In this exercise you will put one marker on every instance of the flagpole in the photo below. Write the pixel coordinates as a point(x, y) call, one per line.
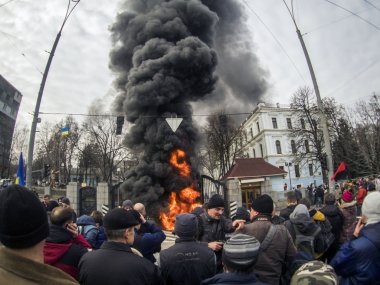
point(39, 97)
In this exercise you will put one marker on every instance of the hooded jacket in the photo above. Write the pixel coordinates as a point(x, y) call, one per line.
point(233, 278)
point(88, 229)
point(358, 260)
point(63, 251)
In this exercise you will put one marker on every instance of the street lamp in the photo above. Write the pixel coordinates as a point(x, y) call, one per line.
point(40, 93)
point(288, 164)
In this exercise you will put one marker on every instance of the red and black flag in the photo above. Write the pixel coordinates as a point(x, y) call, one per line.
point(340, 173)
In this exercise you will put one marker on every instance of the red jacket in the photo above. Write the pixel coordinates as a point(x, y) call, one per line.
point(63, 251)
point(361, 195)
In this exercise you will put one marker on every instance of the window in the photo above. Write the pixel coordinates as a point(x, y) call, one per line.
point(251, 134)
point(278, 147)
point(307, 149)
point(274, 123)
point(289, 123)
point(293, 145)
point(303, 124)
point(261, 150)
point(254, 153)
point(258, 127)
point(297, 170)
point(245, 136)
point(311, 172)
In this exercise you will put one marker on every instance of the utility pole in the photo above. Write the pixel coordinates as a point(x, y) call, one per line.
point(325, 129)
point(40, 93)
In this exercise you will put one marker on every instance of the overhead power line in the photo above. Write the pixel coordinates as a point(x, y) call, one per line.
point(355, 14)
point(2, 5)
point(372, 5)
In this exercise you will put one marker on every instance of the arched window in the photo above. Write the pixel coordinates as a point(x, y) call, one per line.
point(293, 145)
point(307, 149)
point(278, 147)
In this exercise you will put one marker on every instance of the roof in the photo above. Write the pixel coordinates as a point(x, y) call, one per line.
point(252, 167)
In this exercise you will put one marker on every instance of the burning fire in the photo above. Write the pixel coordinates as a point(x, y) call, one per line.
point(185, 202)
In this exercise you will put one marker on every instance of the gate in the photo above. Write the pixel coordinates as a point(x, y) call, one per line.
point(87, 200)
point(209, 187)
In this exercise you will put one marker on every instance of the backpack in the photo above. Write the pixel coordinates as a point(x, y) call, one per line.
point(326, 238)
point(305, 243)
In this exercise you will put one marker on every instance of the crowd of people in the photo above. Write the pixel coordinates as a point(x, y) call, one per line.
point(46, 243)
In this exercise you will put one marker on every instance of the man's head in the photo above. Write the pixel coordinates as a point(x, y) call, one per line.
point(127, 204)
point(240, 253)
point(61, 216)
point(371, 208)
point(65, 202)
point(186, 226)
point(119, 225)
point(98, 217)
point(215, 206)
point(262, 205)
point(291, 197)
point(315, 272)
point(306, 202)
point(23, 219)
point(329, 199)
point(371, 187)
point(139, 207)
point(46, 198)
point(300, 210)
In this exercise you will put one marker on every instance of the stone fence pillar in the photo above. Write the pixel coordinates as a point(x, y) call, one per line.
point(101, 195)
point(72, 192)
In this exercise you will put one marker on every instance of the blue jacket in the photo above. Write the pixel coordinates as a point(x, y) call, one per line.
point(88, 229)
point(358, 261)
point(232, 278)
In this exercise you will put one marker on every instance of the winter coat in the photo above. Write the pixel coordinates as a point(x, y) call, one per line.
point(18, 270)
point(115, 263)
point(233, 278)
point(361, 195)
point(149, 242)
point(187, 262)
point(215, 230)
point(279, 254)
point(358, 260)
point(100, 238)
point(336, 218)
point(285, 213)
point(349, 212)
point(88, 229)
point(63, 251)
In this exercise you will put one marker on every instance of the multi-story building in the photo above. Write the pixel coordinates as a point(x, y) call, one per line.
point(10, 99)
point(266, 134)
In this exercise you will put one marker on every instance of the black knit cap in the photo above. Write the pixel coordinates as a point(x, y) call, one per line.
point(23, 219)
point(215, 201)
point(186, 225)
point(240, 252)
point(263, 204)
point(118, 219)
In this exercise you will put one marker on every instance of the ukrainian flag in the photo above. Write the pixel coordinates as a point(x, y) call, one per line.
point(64, 131)
point(20, 171)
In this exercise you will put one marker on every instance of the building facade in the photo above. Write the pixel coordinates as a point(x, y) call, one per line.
point(10, 99)
point(267, 134)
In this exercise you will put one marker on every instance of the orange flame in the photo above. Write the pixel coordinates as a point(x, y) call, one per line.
point(185, 202)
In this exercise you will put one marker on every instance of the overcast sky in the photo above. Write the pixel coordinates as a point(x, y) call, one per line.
point(344, 49)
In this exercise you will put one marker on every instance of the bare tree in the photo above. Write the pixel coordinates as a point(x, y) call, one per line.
point(19, 144)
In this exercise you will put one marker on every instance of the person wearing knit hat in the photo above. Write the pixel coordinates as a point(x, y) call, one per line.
point(358, 260)
point(187, 259)
point(127, 204)
point(240, 254)
point(215, 226)
point(350, 211)
point(315, 272)
point(278, 246)
point(23, 230)
point(115, 262)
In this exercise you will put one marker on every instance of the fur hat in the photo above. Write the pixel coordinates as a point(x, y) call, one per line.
point(186, 225)
point(371, 207)
point(216, 201)
point(263, 204)
point(118, 219)
point(240, 252)
point(23, 219)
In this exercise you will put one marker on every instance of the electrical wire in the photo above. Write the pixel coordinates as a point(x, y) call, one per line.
point(2, 5)
point(275, 38)
point(355, 14)
point(372, 5)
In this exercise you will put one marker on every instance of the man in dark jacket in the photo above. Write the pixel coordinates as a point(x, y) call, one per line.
point(239, 257)
point(114, 262)
point(291, 200)
point(358, 260)
point(64, 247)
point(187, 262)
point(280, 251)
point(215, 226)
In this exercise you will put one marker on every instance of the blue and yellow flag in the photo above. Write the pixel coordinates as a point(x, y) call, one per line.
point(64, 131)
point(20, 171)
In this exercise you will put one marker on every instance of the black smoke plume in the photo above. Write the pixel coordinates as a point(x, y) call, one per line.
point(165, 58)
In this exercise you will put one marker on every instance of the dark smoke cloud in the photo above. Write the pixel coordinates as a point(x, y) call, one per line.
point(165, 59)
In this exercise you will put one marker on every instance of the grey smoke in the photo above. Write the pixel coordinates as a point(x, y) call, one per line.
point(165, 59)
